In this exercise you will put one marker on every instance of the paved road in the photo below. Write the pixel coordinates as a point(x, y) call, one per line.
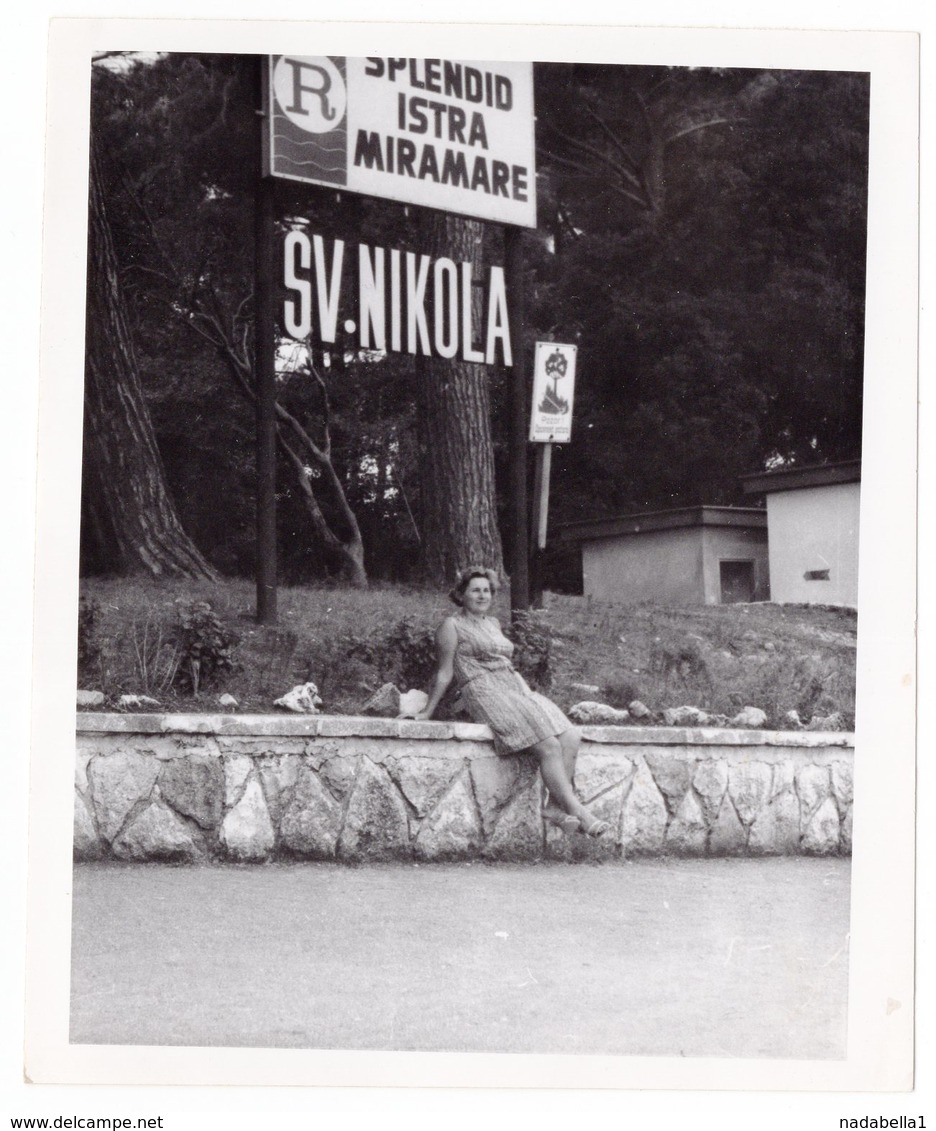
point(660, 958)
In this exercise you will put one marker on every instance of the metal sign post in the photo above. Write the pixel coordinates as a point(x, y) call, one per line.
point(550, 422)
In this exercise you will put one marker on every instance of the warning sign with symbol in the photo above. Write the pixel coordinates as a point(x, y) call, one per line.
point(553, 392)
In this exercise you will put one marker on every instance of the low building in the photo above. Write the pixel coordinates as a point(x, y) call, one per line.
point(812, 521)
point(686, 556)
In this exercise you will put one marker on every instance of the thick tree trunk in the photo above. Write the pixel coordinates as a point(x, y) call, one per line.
point(124, 481)
point(456, 456)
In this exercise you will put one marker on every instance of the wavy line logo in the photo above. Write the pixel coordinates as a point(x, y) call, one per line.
point(310, 102)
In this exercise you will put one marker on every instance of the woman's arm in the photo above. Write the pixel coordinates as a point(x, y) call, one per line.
point(446, 643)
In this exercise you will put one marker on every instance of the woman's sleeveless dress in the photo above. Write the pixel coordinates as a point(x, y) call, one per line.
point(495, 693)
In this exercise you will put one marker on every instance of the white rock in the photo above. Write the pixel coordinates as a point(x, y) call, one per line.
point(591, 689)
point(90, 698)
point(750, 717)
point(303, 699)
point(412, 702)
point(227, 700)
point(793, 721)
point(685, 717)
point(639, 710)
point(126, 702)
point(827, 722)
point(592, 713)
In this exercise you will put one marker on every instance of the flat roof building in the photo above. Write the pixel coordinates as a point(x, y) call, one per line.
point(684, 556)
point(812, 521)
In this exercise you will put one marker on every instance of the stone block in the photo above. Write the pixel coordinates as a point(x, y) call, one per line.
point(518, 833)
point(82, 758)
point(119, 783)
point(644, 817)
point(339, 773)
point(339, 726)
point(710, 781)
point(422, 781)
point(494, 780)
point(376, 825)
point(156, 833)
point(728, 836)
point(822, 831)
point(86, 844)
point(453, 829)
point(776, 829)
point(194, 787)
point(237, 770)
point(783, 779)
point(604, 734)
point(607, 806)
point(419, 728)
point(247, 831)
point(471, 732)
point(598, 771)
point(687, 832)
point(843, 784)
point(813, 787)
point(749, 788)
point(311, 820)
point(845, 839)
point(673, 776)
point(278, 777)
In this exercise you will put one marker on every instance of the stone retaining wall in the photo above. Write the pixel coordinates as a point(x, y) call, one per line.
point(251, 788)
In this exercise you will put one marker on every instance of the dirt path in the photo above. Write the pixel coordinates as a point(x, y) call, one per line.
point(663, 958)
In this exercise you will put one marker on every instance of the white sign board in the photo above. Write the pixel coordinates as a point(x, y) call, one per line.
point(553, 393)
point(441, 133)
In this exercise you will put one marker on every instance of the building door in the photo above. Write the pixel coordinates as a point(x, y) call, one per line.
point(737, 581)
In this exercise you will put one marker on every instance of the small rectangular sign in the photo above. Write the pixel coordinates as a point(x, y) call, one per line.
point(553, 393)
point(441, 133)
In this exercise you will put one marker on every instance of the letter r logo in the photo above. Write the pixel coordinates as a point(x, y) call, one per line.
point(310, 91)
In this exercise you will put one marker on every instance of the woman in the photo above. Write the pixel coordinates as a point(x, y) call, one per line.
point(473, 651)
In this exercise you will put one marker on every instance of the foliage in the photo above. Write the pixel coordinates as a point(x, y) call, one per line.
point(532, 636)
point(404, 655)
point(205, 645)
point(157, 656)
point(702, 239)
point(89, 641)
point(779, 658)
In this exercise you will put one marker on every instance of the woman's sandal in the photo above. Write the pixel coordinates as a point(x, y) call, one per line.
point(567, 822)
point(594, 828)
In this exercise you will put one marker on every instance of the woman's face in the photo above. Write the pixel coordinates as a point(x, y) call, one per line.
point(478, 595)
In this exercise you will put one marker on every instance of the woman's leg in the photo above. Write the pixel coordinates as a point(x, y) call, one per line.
point(570, 740)
point(552, 757)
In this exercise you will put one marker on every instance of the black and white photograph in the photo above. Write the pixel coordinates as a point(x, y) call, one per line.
point(471, 459)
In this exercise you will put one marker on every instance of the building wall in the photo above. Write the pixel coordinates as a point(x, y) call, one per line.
point(731, 543)
point(658, 565)
point(814, 528)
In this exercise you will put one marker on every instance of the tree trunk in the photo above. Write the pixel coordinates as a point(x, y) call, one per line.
point(456, 455)
point(124, 482)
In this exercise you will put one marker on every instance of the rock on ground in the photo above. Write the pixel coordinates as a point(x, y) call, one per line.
point(303, 699)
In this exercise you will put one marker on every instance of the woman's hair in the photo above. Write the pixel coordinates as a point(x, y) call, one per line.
point(466, 576)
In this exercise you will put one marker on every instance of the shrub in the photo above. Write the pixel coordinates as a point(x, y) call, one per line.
point(533, 657)
point(406, 655)
point(205, 645)
point(89, 642)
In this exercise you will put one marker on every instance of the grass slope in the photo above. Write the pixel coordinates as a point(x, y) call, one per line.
point(349, 642)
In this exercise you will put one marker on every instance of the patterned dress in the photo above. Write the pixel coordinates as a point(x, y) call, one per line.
point(495, 693)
